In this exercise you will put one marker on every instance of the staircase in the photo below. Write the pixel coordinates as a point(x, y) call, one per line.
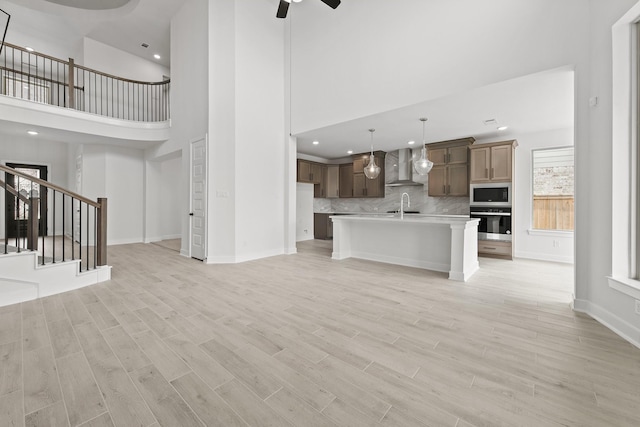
point(71, 255)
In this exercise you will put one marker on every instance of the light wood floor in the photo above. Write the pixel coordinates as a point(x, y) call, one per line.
point(306, 341)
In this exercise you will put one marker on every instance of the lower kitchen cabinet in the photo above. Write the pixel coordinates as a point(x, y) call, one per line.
point(322, 226)
point(495, 249)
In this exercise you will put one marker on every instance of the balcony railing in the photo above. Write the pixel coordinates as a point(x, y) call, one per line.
point(42, 78)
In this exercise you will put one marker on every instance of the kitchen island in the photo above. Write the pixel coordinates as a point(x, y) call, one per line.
point(433, 242)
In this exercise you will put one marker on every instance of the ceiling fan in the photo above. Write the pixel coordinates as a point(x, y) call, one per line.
point(283, 7)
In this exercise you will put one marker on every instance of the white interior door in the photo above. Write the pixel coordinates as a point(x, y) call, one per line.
point(198, 198)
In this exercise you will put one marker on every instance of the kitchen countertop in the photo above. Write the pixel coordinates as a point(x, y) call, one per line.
point(383, 214)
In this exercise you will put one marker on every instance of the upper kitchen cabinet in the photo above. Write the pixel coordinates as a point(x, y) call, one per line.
point(362, 186)
point(313, 173)
point(450, 173)
point(493, 162)
point(346, 180)
point(304, 171)
point(332, 181)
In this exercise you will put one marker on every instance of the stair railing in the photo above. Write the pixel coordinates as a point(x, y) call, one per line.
point(41, 78)
point(58, 224)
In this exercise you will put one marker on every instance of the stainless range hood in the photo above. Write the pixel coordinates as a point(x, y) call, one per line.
point(405, 169)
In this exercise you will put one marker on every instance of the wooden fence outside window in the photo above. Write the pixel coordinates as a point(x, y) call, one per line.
point(553, 213)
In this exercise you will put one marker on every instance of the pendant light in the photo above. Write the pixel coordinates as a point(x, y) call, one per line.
point(423, 165)
point(372, 170)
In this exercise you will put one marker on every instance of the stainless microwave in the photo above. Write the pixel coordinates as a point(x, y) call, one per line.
point(490, 194)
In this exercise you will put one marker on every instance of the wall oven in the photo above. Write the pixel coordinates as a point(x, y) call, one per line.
point(490, 194)
point(495, 223)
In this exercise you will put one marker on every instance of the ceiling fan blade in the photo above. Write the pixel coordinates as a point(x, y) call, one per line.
point(283, 7)
point(331, 3)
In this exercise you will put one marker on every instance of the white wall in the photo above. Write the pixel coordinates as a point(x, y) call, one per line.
point(117, 174)
point(380, 55)
point(38, 30)
point(172, 191)
point(164, 190)
point(410, 51)
point(259, 94)
point(246, 128)
point(304, 212)
point(110, 60)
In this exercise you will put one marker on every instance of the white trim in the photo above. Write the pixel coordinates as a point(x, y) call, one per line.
point(624, 135)
point(540, 256)
point(627, 286)
point(113, 242)
point(236, 259)
point(550, 233)
point(626, 330)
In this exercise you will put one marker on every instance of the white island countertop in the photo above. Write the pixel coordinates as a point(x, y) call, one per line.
point(447, 243)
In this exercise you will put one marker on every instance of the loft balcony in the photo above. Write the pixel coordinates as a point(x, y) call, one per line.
point(40, 90)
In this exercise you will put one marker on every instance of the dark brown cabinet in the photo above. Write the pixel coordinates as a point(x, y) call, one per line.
point(346, 180)
point(322, 226)
point(362, 186)
point(450, 173)
point(492, 162)
point(313, 173)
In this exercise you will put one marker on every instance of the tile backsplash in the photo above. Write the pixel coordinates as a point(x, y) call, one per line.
point(420, 200)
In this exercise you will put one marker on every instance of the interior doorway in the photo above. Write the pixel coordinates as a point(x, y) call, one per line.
point(17, 213)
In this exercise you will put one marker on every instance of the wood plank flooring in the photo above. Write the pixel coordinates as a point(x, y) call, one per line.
point(302, 340)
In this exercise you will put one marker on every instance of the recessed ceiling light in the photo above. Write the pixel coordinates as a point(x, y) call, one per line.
point(350, 152)
point(32, 132)
point(29, 49)
point(155, 55)
point(411, 142)
point(503, 128)
point(490, 122)
point(316, 142)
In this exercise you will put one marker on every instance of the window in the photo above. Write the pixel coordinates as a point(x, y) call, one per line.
point(553, 174)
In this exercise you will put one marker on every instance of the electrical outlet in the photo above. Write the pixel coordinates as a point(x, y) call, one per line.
point(306, 231)
point(556, 243)
point(445, 210)
point(637, 306)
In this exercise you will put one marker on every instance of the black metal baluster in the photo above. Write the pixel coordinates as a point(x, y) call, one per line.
point(17, 213)
point(53, 245)
point(73, 230)
point(88, 235)
point(80, 234)
point(6, 219)
point(64, 235)
point(95, 237)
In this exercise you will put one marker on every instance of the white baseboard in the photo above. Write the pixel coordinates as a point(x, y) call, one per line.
point(244, 257)
point(626, 330)
point(544, 257)
point(113, 242)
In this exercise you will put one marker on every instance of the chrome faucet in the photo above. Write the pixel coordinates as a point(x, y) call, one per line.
point(402, 204)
